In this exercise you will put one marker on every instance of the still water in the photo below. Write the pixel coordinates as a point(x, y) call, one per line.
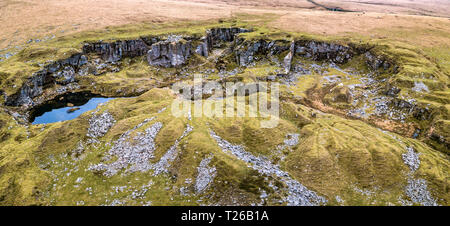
point(63, 114)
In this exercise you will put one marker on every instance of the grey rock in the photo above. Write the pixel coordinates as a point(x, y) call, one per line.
point(99, 124)
point(163, 165)
point(417, 191)
point(215, 36)
point(169, 54)
point(205, 175)
point(411, 159)
point(202, 48)
point(291, 139)
point(324, 51)
point(420, 87)
point(133, 156)
point(115, 51)
point(47, 76)
point(297, 193)
point(288, 58)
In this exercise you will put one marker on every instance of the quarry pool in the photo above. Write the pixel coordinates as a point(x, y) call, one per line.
point(69, 113)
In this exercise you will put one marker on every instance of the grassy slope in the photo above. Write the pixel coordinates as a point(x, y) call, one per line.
point(350, 147)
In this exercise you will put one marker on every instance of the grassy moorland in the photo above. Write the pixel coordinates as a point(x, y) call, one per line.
point(348, 160)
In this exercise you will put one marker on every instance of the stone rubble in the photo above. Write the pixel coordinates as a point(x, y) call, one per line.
point(291, 139)
point(417, 191)
point(298, 195)
point(131, 155)
point(205, 175)
point(99, 125)
point(411, 159)
point(164, 163)
point(420, 87)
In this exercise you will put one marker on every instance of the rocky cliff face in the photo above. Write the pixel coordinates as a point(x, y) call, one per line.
point(172, 52)
point(288, 58)
point(324, 51)
point(112, 52)
point(378, 62)
point(217, 35)
point(311, 49)
point(247, 52)
point(62, 72)
point(175, 51)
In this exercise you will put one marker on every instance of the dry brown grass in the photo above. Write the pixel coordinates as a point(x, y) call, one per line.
point(420, 30)
point(25, 19)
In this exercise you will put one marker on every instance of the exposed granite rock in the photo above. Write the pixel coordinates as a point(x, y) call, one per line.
point(411, 108)
point(416, 189)
point(291, 139)
point(246, 53)
point(420, 87)
point(66, 76)
point(216, 35)
point(336, 53)
point(411, 159)
point(202, 48)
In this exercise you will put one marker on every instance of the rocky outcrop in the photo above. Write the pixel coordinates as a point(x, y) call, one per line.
point(297, 194)
point(324, 51)
point(248, 52)
point(169, 53)
point(245, 54)
point(202, 48)
point(216, 37)
point(288, 58)
point(172, 52)
point(377, 62)
point(115, 51)
point(317, 51)
point(61, 72)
